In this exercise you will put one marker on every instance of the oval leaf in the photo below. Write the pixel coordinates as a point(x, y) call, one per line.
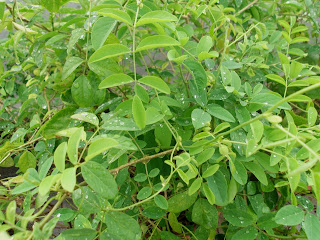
point(156, 42)
point(108, 51)
point(115, 80)
point(156, 83)
point(139, 113)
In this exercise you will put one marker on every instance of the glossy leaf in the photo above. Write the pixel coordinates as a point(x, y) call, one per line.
point(181, 202)
point(161, 202)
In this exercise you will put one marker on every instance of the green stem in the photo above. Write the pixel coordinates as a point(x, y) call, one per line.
point(134, 44)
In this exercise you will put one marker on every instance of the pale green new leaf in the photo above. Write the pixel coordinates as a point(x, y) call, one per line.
point(73, 144)
point(59, 156)
point(68, 179)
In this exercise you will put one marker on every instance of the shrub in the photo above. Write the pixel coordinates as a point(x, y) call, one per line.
point(159, 119)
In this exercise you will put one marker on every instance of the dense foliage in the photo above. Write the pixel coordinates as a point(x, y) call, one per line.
point(159, 119)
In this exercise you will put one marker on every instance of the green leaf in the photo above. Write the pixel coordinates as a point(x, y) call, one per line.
point(258, 171)
point(195, 186)
point(27, 160)
point(138, 111)
point(209, 194)
point(71, 64)
point(68, 179)
point(219, 187)
point(157, 16)
point(161, 202)
point(142, 93)
point(163, 135)
point(276, 78)
point(60, 156)
point(257, 130)
point(120, 124)
point(123, 226)
point(73, 145)
point(87, 117)
point(238, 171)
point(204, 214)
point(204, 45)
point(153, 116)
point(220, 112)
point(78, 234)
point(231, 64)
point(312, 116)
point(58, 122)
point(153, 212)
point(174, 223)
point(237, 217)
point(86, 200)
point(99, 179)
point(295, 69)
point(84, 92)
point(156, 42)
point(11, 212)
point(156, 83)
point(116, 14)
point(181, 201)
point(47, 183)
point(199, 81)
point(99, 146)
point(108, 51)
point(303, 153)
point(53, 5)
point(115, 80)
point(211, 170)
point(183, 176)
point(289, 215)
point(311, 226)
point(168, 236)
point(248, 233)
point(75, 36)
point(300, 39)
point(268, 100)
point(101, 30)
point(144, 193)
point(2, 8)
point(200, 118)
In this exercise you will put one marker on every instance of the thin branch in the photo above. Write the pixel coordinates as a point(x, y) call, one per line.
point(144, 159)
point(247, 7)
